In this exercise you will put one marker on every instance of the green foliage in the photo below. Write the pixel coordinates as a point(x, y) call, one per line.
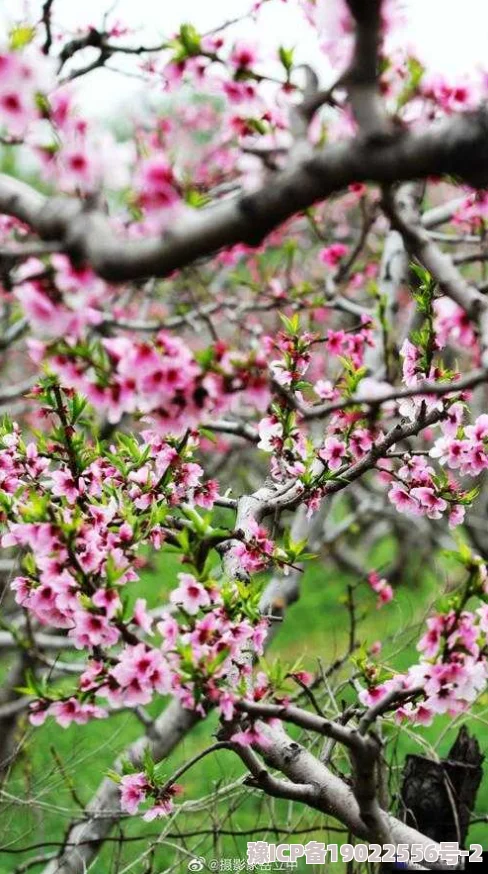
point(415, 74)
point(187, 44)
point(286, 57)
point(20, 36)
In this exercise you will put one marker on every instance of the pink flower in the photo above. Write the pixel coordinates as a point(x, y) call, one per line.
point(243, 55)
point(418, 714)
point(226, 704)
point(15, 113)
point(22, 77)
point(325, 390)
point(270, 432)
point(162, 808)
point(373, 695)
point(38, 712)
point(305, 677)
point(190, 594)
point(313, 502)
point(206, 494)
point(452, 324)
point(360, 442)
point(145, 665)
point(336, 342)
point(47, 318)
point(64, 486)
point(141, 617)
point(400, 498)
point(79, 166)
point(332, 452)
point(382, 589)
point(429, 644)
point(423, 715)
point(66, 712)
point(252, 736)
point(109, 600)
point(253, 554)
point(92, 629)
point(89, 679)
point(434, 506)
point(169, 631)
point(331, 255)
point(478, 431)
point(411, 356)
point(456, 515)
point(385, 595)
point(133, 790)
point(453, 419)
point(156, 184)
point(281, 374)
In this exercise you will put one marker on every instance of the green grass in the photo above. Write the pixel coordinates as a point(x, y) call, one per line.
point(41, 800)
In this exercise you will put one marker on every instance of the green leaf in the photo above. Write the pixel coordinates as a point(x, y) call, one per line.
point(292, 325)
point(204, 432)
point(416, 73)
point(286, 58)
point(219, 659)
point(160, 774)
point(32, 685)
point(190, 39)
point(258, 125)
point(43, 104)
point(195, 198)
point(205, 357)
point(148, 764)
point(113, 775)
point(21, 36)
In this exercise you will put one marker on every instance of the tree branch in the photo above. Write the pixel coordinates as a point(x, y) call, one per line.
point(361, 79)
point(455, 146)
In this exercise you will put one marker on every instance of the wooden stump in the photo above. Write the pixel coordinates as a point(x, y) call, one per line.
point(438, 798)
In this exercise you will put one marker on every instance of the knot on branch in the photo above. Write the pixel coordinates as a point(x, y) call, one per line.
point(293, 751)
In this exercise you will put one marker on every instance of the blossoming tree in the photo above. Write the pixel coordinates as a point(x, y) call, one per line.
point(251, 331)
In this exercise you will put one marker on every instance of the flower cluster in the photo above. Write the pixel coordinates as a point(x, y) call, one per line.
point(280, 435)
point(134, 790)
point(198, 646)
point(293, 347)
point(453, 668)
point(463, 448)
point(255, 552)
point(62, 303)
point(381, 587)
point(351, 344)
point(24, 76)
point(80, 518)
point(416, 490)
point(162, 379)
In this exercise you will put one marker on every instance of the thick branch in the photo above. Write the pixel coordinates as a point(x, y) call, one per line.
point(455, 146)
point(331, 794)
point(362, 77)
point(438, 263)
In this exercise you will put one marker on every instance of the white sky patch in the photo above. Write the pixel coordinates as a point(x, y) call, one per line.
point(449, 36)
